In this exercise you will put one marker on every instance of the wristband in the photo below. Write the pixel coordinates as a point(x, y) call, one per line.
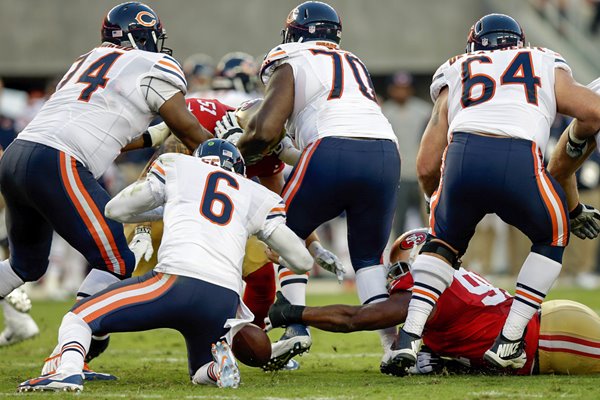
point(576, 211)
point(147, 139)
point(293, 315)
point(143, 229)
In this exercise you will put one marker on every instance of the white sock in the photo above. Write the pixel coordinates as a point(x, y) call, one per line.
point(535, 279)
point(371, 288)
point(432, 277)
point(293, 286)
point(9, 280)
point(74, 337)
point(94, 282)
point(206, 374)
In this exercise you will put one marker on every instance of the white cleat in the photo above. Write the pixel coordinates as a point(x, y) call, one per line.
point(296, 340)
point(53, 383)
point(19, 300)
point(18, 329)
point(228, 373)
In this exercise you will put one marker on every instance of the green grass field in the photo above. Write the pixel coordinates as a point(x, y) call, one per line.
point(152, 365)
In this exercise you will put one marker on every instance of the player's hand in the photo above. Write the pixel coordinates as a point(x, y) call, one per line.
point(584, 221)
point(284, 144)
point(282, 313)
point(141, 244)
point(227, 128)
point(427, 362)
point(327, 260)
point(157, 134)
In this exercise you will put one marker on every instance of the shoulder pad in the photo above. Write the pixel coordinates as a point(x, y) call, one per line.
point(168, 69)
point(439, 79)
point(275, 57)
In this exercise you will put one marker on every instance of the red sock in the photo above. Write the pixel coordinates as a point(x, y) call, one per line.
point(260, 292)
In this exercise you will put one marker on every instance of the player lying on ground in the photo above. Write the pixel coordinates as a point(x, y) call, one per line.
point(210, 209)
point(564, 336)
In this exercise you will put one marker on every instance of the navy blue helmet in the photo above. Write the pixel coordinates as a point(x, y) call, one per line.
point(236, 71)
point(312, 20)
point(223, 154)
point(495, 31)
point(135, 25)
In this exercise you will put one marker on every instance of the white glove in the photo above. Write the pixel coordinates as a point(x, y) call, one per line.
point(141, 244)
point(327, 260)
point(227, 128)
point(427, 362)
point(286, 151)
point(583, 221)
point(156, 134)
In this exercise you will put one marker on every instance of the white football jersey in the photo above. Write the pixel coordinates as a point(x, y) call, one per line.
point(100, 106)
point(506, 92)
point(208, 216)
point(334, 95)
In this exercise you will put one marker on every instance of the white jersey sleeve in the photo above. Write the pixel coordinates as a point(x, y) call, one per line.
point(157, 177)
point(269, 216)
point(440, 79)
point(169, 70)
point(276, 57)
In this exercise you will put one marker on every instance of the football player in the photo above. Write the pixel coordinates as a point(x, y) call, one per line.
point(324, 97)
point(234, 81)
point(563, 338)
point(481, 153)
point(48, 174)
point(209, 210)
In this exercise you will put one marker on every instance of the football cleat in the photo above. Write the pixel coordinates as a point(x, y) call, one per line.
point(18, 329)
point(90, 375)
point(404, 352)
point(228, 373)
point(291, 365)
point(19, 300)
point(387, 367)
point(295, 340)
point(506, 353)
point(54, 383)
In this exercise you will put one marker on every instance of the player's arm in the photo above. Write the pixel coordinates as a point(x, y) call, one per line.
point(182, 123)
point(340, 317)
point(154, 136)
point(264, 128)
point(273, 182)
point(433, 143)
point(292, 252)
point(579, 102)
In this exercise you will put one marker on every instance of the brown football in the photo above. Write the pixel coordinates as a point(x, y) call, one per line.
point(251, 346)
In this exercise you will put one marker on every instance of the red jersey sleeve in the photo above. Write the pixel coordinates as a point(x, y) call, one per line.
point(403, 283)
point(207, 111)
point(268, 166)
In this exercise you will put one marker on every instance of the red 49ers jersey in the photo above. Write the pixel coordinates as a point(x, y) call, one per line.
point(468, 317)
point(209, 112)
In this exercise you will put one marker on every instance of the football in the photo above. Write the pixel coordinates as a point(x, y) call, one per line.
point(251, 346)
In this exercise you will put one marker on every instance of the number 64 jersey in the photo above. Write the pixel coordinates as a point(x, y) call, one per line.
point(208, 216)
point(505, 92)
point(103, 102)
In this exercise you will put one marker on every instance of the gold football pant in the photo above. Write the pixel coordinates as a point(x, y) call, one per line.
point(569, 340)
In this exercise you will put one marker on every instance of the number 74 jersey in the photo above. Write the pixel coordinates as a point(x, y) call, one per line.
point(506, 92)
point(333, 93)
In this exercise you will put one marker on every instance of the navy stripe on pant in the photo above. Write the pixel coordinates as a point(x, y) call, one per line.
point(47, 190)
point(356, 176)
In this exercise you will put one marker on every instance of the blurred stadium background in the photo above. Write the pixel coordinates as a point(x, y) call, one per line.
point(402, 42)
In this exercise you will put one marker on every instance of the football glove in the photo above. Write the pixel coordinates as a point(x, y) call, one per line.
point(227, 128)
point(584, 221)
point(156, 135)
point(427, 362)
point(327, 260)
point(575, 147)
point(141, 244)
point(283, 313)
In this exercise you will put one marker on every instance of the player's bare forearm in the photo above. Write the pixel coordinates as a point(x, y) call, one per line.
point(579, 102)
point(182, 123)
point(344, 318)
point(136, 144)
point(433, 143)
point(265, 127)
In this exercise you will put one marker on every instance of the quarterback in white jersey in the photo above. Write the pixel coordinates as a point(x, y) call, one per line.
point(350, 163)
point(481, 153)
point(209, 210)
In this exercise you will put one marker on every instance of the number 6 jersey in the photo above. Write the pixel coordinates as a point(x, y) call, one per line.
point(505, 92)
point(103, 102)
point(208, 216)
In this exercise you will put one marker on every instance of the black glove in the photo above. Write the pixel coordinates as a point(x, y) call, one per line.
point(282, 313)
point(583, 221)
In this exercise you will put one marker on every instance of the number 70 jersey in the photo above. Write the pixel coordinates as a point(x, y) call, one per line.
point(209, 215)
point(506, 92)
point(333, 93)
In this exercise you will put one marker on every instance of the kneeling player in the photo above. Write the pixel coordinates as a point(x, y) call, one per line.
point(210, 209)
point(565, 335)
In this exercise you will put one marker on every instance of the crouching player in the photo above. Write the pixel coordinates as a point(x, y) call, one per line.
point(209, 209)
point(564, 338)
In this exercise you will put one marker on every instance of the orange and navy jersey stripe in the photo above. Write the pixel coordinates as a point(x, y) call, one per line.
point(158, 170)
point(277, 211)
point(294, 182)
point(171, 66)
point(124, 296)
point(91, 216)
point(551, 199)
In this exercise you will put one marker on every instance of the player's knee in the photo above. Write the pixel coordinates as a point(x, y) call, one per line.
point(31, 269)
point(554, 253)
